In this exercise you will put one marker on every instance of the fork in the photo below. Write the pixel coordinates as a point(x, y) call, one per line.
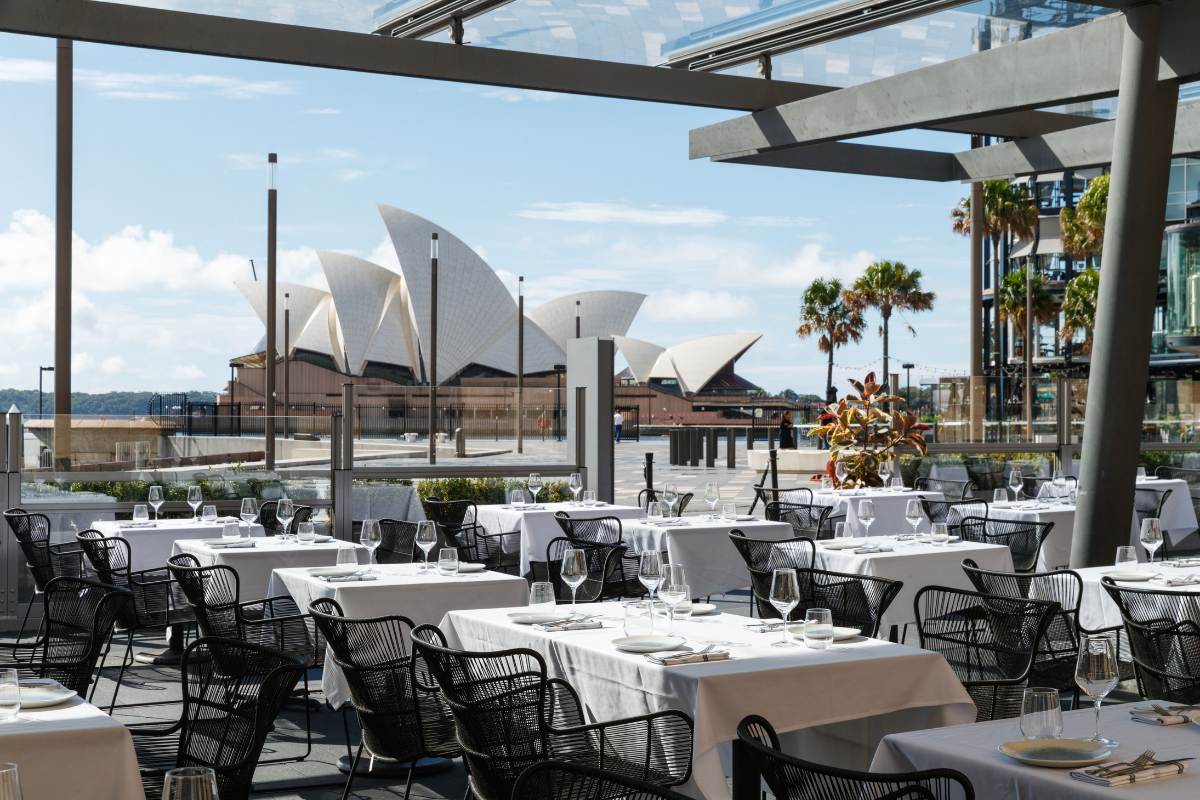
point(1119, 767)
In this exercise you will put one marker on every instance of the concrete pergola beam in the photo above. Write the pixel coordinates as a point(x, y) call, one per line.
point(1081, 63)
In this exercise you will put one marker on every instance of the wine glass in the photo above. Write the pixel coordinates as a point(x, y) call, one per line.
point(885, 472)
point(249, 510)
point(370, 538)
point(650, 573)
point(1096, 672)
point(1126, 558)
point(426, 539)
point(785, 595)
point(190, 783)
point(285, 512)
point(670, 494)
point(156, 500)
point(1041, 714)
point(535, 485)
point(1060, 484)
point(839, 470)
point(574, 570)
point(712, 495)
point(866, 515)
point(672, 593)
point(914, 514)
point(1015, 482)
point(1151, 536)
point(195, 499)
point(141, 514)
point(576, 484)
point(10, 786)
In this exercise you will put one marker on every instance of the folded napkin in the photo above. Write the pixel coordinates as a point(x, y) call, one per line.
point(569, 625)
point(1152, 773)
point(1181, 563)
point(346, 578)
point(1182, 715)
point(1183, 580)
point(231, 545)
point(879, 548)
point(137, 525)
point(687, 658)
point(763, 626)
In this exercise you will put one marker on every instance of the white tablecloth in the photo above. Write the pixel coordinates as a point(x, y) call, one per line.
point(971, 749)
point(153, 546)
point(390, 501)
point(917, 566)
point(867, 686)
point(539, 528)
point(72, 751)
point(255, 564)
point(889, 509)
point(1097, 609)
point(400, 589)
point(710, 561)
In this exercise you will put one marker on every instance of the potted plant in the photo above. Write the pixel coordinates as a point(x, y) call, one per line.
point(862, 435)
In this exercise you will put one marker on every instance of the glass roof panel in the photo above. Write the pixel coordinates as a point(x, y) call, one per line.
point(341, 15)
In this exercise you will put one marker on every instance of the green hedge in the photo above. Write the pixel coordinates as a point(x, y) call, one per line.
point(488, 491)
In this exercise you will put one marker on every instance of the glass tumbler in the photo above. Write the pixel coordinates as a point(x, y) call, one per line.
point(1041, 714)
point(10, 695)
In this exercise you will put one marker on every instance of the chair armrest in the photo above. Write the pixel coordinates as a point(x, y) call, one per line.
point(161, 577)
point(146, 729)
point(656, 748)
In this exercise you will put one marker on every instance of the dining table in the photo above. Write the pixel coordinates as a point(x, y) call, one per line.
point(832, 705)
point(152, 543)
point(422, 596)
point(1097, 609)
point(972, 750)
point(254, 559)
point(890, 507)
point(712, 564)
point(100, 760)
point(538, 527)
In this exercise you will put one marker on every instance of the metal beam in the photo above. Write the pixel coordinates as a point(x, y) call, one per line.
point(857, 159)
point(201, 34)
point(1081, 63)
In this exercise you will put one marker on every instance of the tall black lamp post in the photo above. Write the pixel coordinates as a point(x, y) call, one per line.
point(41, 371)
point(908, 377)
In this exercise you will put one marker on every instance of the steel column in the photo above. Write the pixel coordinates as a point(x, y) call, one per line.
point(269, 365)
point(520, 362)
point(433, 315)
point(64, 180)
point(1126, 299)
point(976, 381)
point(710, 448)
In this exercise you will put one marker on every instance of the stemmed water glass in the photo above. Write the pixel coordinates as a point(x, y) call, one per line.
point(1060, 483)
point(673, 592)
point(914, 514)
point(574, 570)
point(712, 495)
point(670, 494)
point(535, 485)
point(249, 510)
point(10, 786)
point(285, 512)
point(1015, 482)
point(426, 539)
point(575, 482)
point(866, 515)
point(785, 595)
point(156, 499)
point(1151, 536)
point(190, 783)
point(195, 500)
point(885, 473)
point(839, 470)
point(1097, 674)
point(650, 573)
point(370, 537)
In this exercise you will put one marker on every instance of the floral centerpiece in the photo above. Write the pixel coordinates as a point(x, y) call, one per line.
point(862, 435)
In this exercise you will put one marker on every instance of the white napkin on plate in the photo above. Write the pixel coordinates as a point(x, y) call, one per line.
point(687, 658)
point(879, 548)
point(569, 625)
point(1180, 718)
point(1181, 563)
point(1183, 580)
point(1148, 774)
point(345, 578)
point(137, 525)
point(231, 545)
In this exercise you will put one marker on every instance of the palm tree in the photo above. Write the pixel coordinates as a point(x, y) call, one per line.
point(1083, 227)
point(1005, 210)
point(825, 309)
point(1016, 290)
point(1079, 308)
point(888, 286)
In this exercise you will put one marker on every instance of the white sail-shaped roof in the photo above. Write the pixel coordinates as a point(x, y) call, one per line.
point(541, 353)
point(303, 302)
point(473, 304)
point(361, 291)
point(698, 361)
point(602, 313)
point(391, 342)
point(320, 335)
point(639, 355)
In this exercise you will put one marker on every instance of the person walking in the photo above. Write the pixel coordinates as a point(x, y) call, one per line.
point(787, 432)
point(618, 422)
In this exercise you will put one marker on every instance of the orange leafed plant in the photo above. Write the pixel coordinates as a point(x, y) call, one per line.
point(862, 435)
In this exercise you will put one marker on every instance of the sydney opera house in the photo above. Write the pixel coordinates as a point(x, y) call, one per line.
point(373, 327)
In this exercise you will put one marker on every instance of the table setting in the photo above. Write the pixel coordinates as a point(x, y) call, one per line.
point(887, 508)
point(1097, 609)
point(152, 541)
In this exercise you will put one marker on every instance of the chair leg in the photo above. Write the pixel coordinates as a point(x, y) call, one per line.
point(28, 610)
point(346, 728)
point(125, 661)
point(353, 769)
point(100, 665)
point(408, 786)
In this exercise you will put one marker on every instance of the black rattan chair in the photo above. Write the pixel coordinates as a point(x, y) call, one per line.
point(796, 494)
point(1164, 638)
point(458, 521)
point(606, 530)
point(857, 601)
point(648, 496)
point(154, 605)
point(953, 513)
point(790, 778)
point(950, 489)
point(558, 780)
point(989, 641)
point(807, 521)
point(213, 593)
point(764, 556)
point(1023, 539)
point(603, 562)
point(79, 616)
point(509, 716)
point(232, 692)
point(1191, 476)
point(45, 561)
point(1148, 504)
point(400, 708)
point(397, 541)
point(270, 522)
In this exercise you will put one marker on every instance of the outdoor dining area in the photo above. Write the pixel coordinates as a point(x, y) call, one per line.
point(832, 640)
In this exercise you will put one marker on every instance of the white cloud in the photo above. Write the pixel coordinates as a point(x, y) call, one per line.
point(322, 111)
point(597, 213)
point(699, 306)
point(144, 86)
point(113, 365)
point(517, 95)
point(797, 272)
point(384, 255)
point(187, 371)
point(82, 362)
point(777, 222)
point(352, 175)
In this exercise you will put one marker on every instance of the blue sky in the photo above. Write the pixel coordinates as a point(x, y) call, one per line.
point(573, 193)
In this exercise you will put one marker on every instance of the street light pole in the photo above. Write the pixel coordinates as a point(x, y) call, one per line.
point(64, 182)
point(269, 390)
point(287, 364)
point(433, 314)
point(576, 319)
point(41, 371)
point(520, 360)
point(908, 373)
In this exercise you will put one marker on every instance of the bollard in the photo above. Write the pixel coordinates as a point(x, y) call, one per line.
point(750, 437)
point(460, 443)
point(771, 454)
point(673, 441)
point(710, 448)
point(694, 447)
point(730, 448)
point(770, 438)
point(648, 471)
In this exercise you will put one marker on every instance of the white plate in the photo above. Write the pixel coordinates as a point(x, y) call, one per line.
point(1128, 576)
point(648, 644)
point(835, 544)
point(1148, 478)
point(746, 518)
point(332, 572)
point(1058, 753)
point(698, 609)
point(323, 539)
point(43, 696)
point(464, 566)
point(839, 634)
point(926, 538)
point(538, 617)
